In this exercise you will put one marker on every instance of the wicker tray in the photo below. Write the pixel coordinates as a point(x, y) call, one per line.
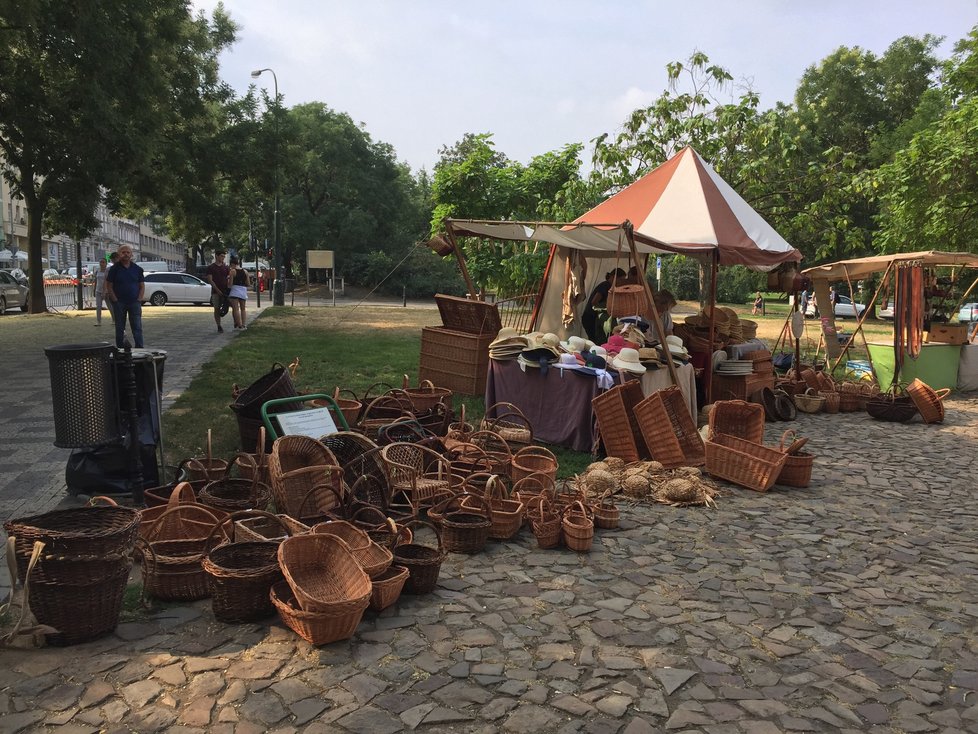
point(743, 462)
point(668, 429)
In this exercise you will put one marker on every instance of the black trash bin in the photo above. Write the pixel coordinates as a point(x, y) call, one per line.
point(83, 395)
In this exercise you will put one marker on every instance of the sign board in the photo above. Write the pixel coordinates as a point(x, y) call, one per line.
point(314, 423)
point(319, 259)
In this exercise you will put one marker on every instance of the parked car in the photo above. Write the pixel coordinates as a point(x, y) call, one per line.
point(968, 313)
point(886, 313)
point(844, 308)
point(19, 275)
point(51, 274)
point(12, 293)
point(164, 288)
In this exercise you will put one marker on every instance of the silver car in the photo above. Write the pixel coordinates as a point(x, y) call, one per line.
point(12, 293)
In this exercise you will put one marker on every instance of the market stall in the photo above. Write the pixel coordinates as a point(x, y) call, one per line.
point(928, 340)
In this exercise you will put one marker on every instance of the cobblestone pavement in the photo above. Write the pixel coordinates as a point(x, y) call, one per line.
point(847, 606)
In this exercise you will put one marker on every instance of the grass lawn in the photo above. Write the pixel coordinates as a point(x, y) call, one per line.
point(355, 349)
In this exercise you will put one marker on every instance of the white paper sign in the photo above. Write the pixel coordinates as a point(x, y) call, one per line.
point(313, 423)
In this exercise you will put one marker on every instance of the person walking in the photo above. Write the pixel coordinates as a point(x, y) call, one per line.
point(125, 287)
point(218, 275)
point(758, 304)
point(238, 294)
point(100, 292)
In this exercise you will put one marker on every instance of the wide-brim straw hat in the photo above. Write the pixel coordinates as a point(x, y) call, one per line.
point(629, 361)
point(535, 354)
point(567, 362)
point(676, 346)
point(574, 344)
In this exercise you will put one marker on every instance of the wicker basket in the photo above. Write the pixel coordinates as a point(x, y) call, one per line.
point(296, 465)
point(797, 470)
point(349, 407)
point(235, 495)
point(384, 410)
point(467, 459)
point(464, 521)
point(172, 569)
point(545, 522)
point(276, 383)
point(373, 558)
point(668, 429)
point(80, 610)
point(261, 528)
point(534, 460)
point(738, 418)
point(422, 562)
point(426, 396)
point(387, 587)
point(928, 400)
point(832, 402)
point(811, 379)
point(188, 521)
point(241, 573)
point(323, 574)
point(317, 628)
point(509, 422)
point(743, 462)
point(89, 541)
point(886, 407)
point(615, 413)
point(809, 401)
point(507, 514)
point(627, 300)
point(577, 524)
point(606, 514)
point(528, 488)
point(204, 467)
point(497, 449)
point(158, 496)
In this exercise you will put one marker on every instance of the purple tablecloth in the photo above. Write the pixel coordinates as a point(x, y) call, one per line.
point(557, 405)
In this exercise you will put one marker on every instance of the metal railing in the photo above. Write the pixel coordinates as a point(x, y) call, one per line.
point(62, 295)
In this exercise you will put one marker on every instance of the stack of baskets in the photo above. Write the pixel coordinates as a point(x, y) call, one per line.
point(325, 591)
point(78, 579)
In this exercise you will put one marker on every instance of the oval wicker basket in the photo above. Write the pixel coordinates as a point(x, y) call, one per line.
point(577, 524)
point(809, 401)
point(894, 409)
point(426, 395)
point(317, 628)
point(626, 300)
point(323, 574)
point(928, 400)
point(387, 587)
point(534, 460)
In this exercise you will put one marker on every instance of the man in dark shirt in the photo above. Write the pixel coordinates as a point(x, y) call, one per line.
point(217, 275)
point(125, 288)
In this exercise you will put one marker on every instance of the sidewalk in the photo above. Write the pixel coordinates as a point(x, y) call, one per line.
point(847, 606)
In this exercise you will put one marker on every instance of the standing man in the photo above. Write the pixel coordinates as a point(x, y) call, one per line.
point(217, 275)
point(125, 288)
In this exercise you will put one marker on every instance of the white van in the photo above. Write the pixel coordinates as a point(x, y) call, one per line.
point(155, 266)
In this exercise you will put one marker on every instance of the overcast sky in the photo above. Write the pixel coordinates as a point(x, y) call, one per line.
point(540, 74)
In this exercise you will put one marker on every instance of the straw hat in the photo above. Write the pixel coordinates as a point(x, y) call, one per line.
point(551, 340)
point(676, 346)
point(574, 344)
point(507, 332)
point(567, 362)
point(628, 361)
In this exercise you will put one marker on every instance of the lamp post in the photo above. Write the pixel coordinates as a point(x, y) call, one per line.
point(278, 287)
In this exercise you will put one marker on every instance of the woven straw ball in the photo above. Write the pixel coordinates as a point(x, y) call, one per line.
point(636, 485)
point(598, 481)
point(680, 490)
point(614, 463)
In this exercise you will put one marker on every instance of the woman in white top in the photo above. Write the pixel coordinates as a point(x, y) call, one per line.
point(100, 292)
point(238, 282)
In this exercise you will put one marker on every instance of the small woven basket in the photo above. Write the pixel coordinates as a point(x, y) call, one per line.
point(928, 400)
point(797, 469)
point(577, 524)
point(422, 562)
point(606, 513)
point(426, 396)
point(831, 401)
point(464, 527)
point(809, 401)
point(534, 460)
point(627, 300)
point(387, 587)
point(545, 522)
point(259, 528)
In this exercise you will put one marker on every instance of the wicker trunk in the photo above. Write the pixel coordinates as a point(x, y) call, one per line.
point(456, 360)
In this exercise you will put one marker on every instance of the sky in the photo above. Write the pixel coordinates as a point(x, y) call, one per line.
point(540, 74)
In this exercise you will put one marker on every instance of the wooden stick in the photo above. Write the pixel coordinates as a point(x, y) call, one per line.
point(656, 321)
point(714, 268)
point(461, 263)
point(862, 319)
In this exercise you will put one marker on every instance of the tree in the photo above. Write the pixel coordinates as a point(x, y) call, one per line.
point(90, 100)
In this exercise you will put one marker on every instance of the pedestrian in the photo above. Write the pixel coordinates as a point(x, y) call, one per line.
point(217, 275)
point(125, 288)
point(238, 294)
point(664, 303)
point(100, 292)
point(804, 301)
point(596, 303)
point(833, 298)
point(758, 304)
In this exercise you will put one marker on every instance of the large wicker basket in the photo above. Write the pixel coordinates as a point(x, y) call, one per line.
point(615, 413)
point(738, 418)
point(743, 462)
point(928, 400)
point(323, 574)
point(891, 408)
point(668, 429)
point(627, 300)
point(317, 628)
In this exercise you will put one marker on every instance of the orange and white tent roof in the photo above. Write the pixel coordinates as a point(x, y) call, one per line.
point(685, 204)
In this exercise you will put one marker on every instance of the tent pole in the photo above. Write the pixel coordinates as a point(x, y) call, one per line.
point(966, 294)
point(461, 263)
point(656, 321)
point(714, 267)
point(543, 289)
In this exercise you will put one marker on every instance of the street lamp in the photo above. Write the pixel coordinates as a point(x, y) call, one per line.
point(278, 287)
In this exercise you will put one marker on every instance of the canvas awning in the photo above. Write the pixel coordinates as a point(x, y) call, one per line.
point(600, 240)
point(862, 266)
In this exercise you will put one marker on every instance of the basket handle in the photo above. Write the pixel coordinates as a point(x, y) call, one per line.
point(584, 509)
point(416, 523)
point(261, 445)
point(324, 484)
point(182, 494)
point(101, 498)
point(243, 514)
point(796, 444)
point(209, 453)
point(193, 509)
point(942, 393)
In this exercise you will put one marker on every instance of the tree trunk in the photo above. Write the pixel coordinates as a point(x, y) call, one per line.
point(37, 303)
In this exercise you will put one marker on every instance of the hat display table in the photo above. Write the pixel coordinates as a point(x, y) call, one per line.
point(558, 406)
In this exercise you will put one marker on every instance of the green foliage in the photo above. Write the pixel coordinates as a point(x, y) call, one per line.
point(737, 284)
point(681, 275)
point(421, 275)
point(94, 98)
